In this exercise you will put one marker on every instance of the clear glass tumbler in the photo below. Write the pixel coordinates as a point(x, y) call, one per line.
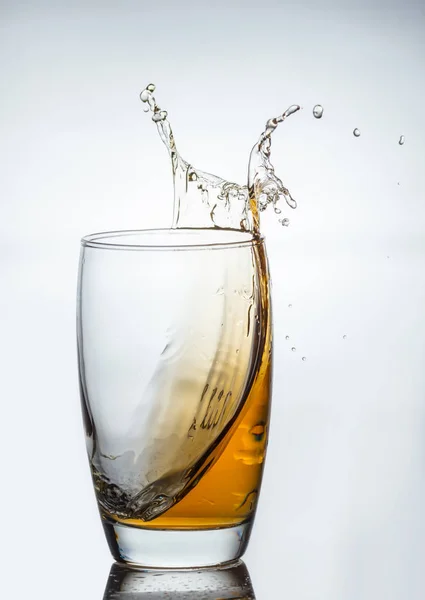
point(175, 357)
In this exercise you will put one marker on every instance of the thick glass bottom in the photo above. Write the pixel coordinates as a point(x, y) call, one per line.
point(227, 582)
point(174, 549)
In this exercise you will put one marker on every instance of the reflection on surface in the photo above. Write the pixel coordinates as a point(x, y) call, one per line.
point(220, 583)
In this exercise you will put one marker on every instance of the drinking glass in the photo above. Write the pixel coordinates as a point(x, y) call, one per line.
point(175, 357)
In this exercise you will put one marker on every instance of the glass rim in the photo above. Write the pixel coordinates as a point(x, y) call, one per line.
point(97, 240)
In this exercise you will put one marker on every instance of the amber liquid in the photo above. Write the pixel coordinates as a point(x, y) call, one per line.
point(227, 493)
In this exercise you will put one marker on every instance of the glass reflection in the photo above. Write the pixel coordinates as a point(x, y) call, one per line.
point(219, 583)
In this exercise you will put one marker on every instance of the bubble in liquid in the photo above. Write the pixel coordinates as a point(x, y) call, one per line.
point(286, 337)
point(318, 111)
point(401, 140)
point(304, 358)
point(356, 132)
point(293, 349)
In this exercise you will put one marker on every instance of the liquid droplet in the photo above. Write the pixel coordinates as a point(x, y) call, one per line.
point(356, 132)
point(160, 115)
point(144, 95)
point(318, 111)
point(344, 337)
point(286, 337)
point(304, 358)
point(284, 222)
point(401, 140)
point(151, 88)
point(293, 349)
point(289, 305)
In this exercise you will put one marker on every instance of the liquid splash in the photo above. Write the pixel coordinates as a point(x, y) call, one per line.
point(205, 200)
point(194, 406)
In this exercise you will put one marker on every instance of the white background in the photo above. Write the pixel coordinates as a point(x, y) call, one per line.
point(342, 508)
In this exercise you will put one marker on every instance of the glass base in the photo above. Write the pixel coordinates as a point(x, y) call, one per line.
point(230, 581)
point(174, 549)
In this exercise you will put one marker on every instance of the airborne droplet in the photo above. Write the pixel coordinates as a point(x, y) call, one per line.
point(293, 349)
point(144, 96)
point(151, 88)
point(356, 132)
point(318, 111)
point(401, 140)
point(286, 337)
point(304, 358)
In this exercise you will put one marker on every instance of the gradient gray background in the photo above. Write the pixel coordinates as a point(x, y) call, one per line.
point(342, 510)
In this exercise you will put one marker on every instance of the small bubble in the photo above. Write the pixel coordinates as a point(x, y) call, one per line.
point(344, 337)
point(286, 337)
point(318, 111)
point(401, 140)
point(304, 358)
point(151, 87)
point(293, 349)
point(193, 177)
point(258, 431)
point(356, 132)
